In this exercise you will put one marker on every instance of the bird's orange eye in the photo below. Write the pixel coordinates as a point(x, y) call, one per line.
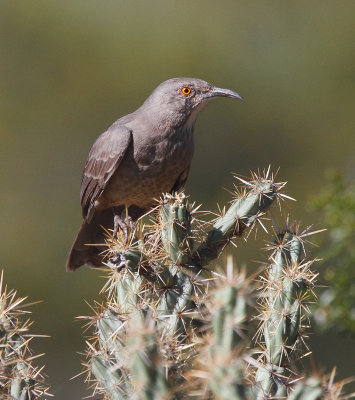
point(186, 90)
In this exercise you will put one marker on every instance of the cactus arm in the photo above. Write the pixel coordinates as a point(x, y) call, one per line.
point(19, 379)
point(108, 378)
point(287, 284)
point(226, 382)
point(147, 372)
point(241, 215)
point(176, 232)
point(219, 364)
point(311, 389)
point(177, 240)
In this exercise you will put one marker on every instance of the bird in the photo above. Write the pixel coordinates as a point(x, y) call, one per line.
point(138, 158)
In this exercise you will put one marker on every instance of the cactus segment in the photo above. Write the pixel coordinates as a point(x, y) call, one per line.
point(19, 379)
point(287, 287)
point(229, 314)
point(176, 232)
point(311, 389)
point(242, 214)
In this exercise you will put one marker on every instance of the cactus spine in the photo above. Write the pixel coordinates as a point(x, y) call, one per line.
point(287, 287)
point(19, 379)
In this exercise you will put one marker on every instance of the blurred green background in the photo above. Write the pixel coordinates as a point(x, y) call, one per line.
point(68, 69)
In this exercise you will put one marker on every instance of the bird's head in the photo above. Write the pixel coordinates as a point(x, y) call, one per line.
point(181, 99)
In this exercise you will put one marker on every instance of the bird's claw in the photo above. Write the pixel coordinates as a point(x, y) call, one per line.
point(125, 224)
point(117, 262)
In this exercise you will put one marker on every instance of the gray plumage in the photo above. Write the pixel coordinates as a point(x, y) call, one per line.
point(142, 155)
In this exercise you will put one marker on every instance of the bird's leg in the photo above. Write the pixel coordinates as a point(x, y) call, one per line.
point(124, 222)
point(130, 223)
point(118, 222)
point(127, 222)
point(127, 218)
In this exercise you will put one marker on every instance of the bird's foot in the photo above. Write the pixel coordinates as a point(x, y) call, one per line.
point(126, 224)
point(130, 223)
point(118, 222)
point(117, 262)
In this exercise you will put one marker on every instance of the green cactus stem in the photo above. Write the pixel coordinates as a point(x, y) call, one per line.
point(176, 234)
point(176, 305)
point(311, 389)
point(287, 287)
point(218, 369)
point(147, 371)
point(19, 379)
point(228, 315)
point(109, 378)
point(242, 214)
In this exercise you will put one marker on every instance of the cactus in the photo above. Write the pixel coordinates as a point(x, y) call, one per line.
point(173, 326)
point(19, 379)
point(315, 388)
point(218, 367)
point(248, 206)
point(287, 291)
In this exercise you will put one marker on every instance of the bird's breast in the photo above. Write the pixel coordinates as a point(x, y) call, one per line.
point(174, 147)
point(151, 168)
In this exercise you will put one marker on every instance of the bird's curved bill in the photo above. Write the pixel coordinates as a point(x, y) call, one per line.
point(220, 92)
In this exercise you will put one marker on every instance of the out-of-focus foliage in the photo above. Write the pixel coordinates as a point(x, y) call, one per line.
point(337, 206)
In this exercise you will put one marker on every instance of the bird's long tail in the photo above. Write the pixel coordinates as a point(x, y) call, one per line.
point(89, 243)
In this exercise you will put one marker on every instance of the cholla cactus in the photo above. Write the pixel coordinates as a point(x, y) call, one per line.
point(287, 291)
point(218, 369)
point(173, 327)
point(19, 379)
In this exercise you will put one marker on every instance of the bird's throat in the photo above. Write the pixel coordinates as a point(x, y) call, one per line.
point(195, 112)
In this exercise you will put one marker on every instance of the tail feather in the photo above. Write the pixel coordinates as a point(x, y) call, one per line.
point(84, 251)
point(89, 243)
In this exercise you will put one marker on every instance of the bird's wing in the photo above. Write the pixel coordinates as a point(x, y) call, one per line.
point(104, 158)
point(181, 180)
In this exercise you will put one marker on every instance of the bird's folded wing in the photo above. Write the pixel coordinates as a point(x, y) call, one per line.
point(105, 156)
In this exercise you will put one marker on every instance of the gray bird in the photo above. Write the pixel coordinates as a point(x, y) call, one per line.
point(139, 157)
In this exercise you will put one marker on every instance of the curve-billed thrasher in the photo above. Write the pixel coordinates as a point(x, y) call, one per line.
point(141, 156)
